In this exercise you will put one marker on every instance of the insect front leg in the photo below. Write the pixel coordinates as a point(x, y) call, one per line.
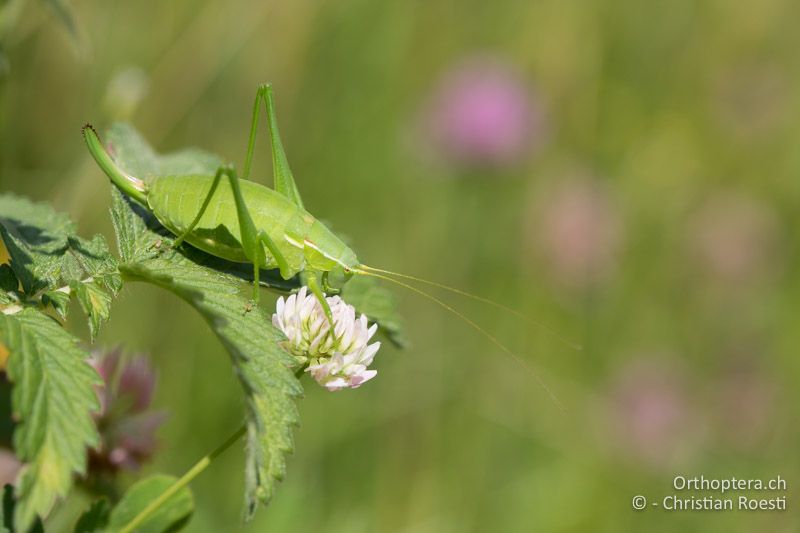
point(312, 281)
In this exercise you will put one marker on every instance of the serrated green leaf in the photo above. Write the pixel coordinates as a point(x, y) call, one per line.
point(58, 299)
point(36, 222)
point(95, 519)
point(53, 398)
point(264, 369)
point(95, 302)
point(46, 255)
point(379, 304)
point(171, 515)
point(134, 242)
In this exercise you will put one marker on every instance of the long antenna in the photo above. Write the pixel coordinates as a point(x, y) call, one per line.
point(472, 323)
point(481, 299)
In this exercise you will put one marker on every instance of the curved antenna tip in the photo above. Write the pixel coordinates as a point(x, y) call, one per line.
point(474, 325)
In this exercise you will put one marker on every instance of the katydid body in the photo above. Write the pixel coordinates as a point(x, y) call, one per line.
point(246, 222)
point(240, 220)
point(176, 200)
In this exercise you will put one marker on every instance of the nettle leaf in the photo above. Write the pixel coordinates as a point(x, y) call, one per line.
point(51, 261)
point(58, 299)
point(134, 241)
point(379, 304)
point(264, 369)
point(171, 515)
point(53, 398)
point(95, 301)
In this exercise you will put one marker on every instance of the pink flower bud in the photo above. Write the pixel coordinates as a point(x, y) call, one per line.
point(127, 428)
point(483, 113)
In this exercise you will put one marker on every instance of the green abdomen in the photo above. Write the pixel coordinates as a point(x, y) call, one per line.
point(176, 200)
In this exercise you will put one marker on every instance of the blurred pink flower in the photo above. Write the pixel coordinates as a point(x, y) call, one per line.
point(733, 238)
point(127, 428)
point(482, 113)
point(650, 415)
point(577, 230)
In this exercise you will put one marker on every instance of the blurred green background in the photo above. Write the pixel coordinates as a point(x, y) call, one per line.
point(643, 205)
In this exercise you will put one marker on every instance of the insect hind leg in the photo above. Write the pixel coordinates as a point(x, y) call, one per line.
point(282, 174)
point(283, 264)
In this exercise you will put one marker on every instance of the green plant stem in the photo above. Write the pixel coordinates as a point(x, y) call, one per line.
point(187, 478)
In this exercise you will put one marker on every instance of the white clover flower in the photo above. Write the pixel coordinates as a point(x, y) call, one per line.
point(336, 359)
